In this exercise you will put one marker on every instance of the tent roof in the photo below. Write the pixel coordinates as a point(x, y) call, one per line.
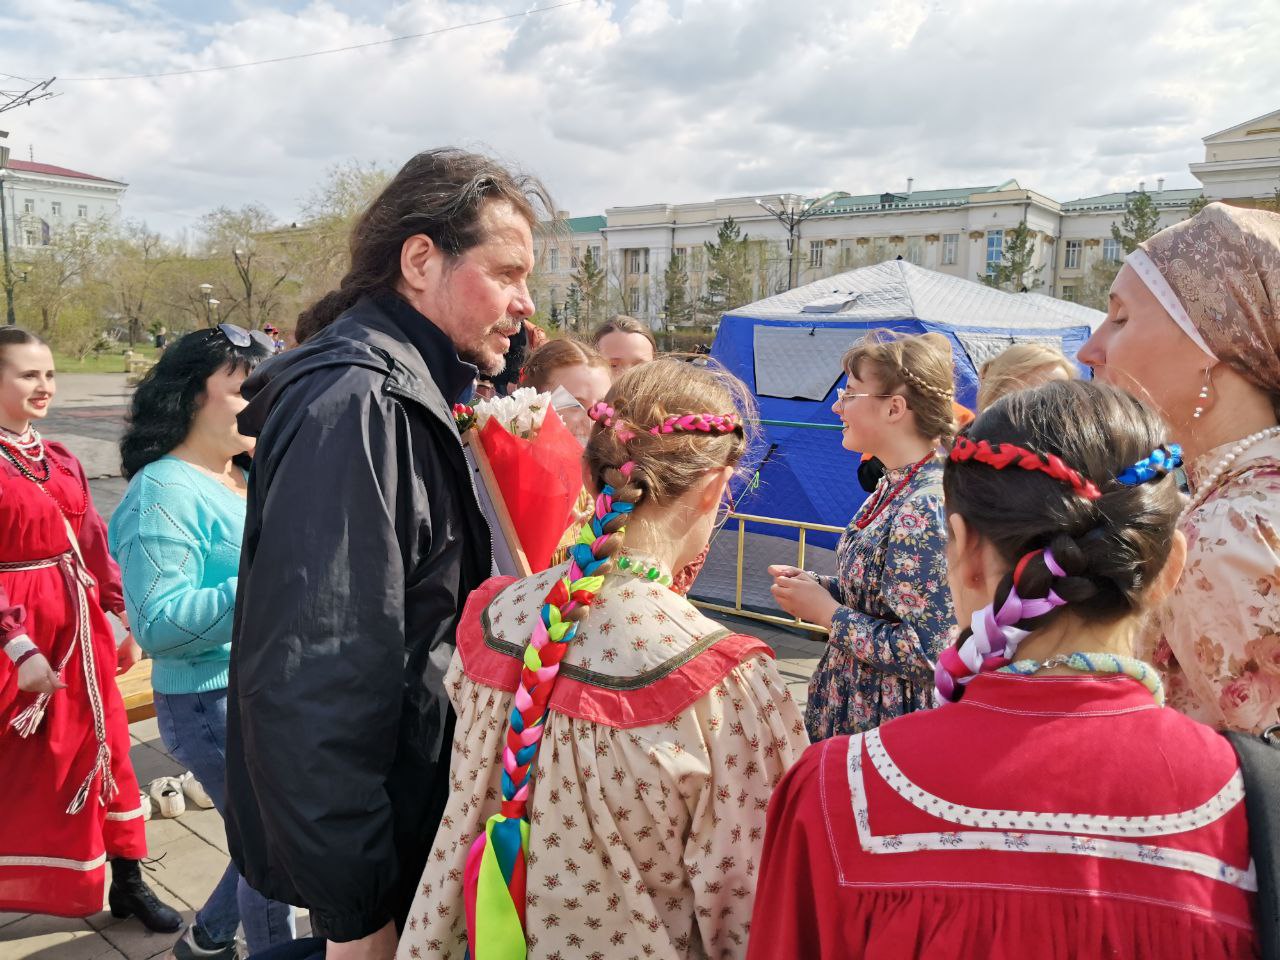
point(898, 290)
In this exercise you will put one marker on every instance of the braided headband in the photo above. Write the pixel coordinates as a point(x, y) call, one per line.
point(1166, 457)
point(995, 635)
point(604, 414)
point(921, 384)
point(1009, 455)
point(494, 879)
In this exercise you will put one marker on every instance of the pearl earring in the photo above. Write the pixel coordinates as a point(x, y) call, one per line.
point(1203, 398)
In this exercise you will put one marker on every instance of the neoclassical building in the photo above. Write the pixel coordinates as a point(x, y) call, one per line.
point(960, 231)
point(41, 199)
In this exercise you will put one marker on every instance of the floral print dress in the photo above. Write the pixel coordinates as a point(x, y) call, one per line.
point(1216, 640)
point(895, 615)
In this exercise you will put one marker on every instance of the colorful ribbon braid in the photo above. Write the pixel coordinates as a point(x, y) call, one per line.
point(1166, 457)
point(994, 636)
point(704, 422)
point(605, 415)
point(1008, 455)
point(495, 874)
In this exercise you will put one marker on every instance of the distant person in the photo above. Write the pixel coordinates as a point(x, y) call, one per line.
point(625, 342)
point(526, 340)
point(69, 799)
point(1020, 367)
point(363, 538)
point(887, 610)
point(177, 535)
point(577, 367)
point(162, 338)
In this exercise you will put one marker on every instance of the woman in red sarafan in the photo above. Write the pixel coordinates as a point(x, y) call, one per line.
point(1052, 807)
point(68, 793)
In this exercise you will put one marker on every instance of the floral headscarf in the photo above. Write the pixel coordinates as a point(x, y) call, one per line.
point(1218, 276)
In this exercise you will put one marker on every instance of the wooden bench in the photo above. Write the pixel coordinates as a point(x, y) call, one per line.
point(135, 690)
point(136, 368)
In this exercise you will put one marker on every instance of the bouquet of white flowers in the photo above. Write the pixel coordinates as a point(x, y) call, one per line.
point(520, 414)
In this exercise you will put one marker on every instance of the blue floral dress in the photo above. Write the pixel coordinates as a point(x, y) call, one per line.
point(895, 615)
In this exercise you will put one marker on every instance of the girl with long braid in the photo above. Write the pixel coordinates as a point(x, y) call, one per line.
point(1052, 806)
point(615, 749)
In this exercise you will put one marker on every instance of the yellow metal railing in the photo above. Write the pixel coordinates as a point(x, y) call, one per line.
point(738, 609)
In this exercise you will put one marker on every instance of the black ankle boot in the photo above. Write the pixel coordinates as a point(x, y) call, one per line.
point(130, 896)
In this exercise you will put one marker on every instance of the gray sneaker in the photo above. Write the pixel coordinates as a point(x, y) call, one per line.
point(193, 946)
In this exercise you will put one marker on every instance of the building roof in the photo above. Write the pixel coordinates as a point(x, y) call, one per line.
point(585, 224)
point(1117, 201)
point(904, 201)
point(48, 169)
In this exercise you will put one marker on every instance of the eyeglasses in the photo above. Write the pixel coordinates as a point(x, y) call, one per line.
point(845, 396)
point(238, 336)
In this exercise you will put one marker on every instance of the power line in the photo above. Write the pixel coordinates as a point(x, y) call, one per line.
point(9, 99)
point(324, 53)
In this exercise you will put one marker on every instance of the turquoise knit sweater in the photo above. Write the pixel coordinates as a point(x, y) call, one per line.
point(176, 536)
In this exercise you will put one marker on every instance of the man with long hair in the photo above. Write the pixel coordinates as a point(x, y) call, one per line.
point(363, 538)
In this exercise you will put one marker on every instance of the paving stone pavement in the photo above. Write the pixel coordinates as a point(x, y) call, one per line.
point(89, 418)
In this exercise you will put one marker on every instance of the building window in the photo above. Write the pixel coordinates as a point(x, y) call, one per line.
point(915, 250)
point(638, 260)
point(950, 249)
point(28, 206)
point(635, 300)
point(594, 250)
point(1112, 250)
point(880, 249)
point(82, 212)
point(815, 253)
point(995, 250)
point(1073, 254)
point(55, 208)
point(573, 258)
point(696, 260)
point(1069, 293)
point(30, 237)
point(553, 259)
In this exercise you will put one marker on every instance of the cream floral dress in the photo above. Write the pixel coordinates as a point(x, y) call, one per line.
point(1217, 639)
point(665, 739)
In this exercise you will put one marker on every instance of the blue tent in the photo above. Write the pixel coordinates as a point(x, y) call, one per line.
point(788, 349)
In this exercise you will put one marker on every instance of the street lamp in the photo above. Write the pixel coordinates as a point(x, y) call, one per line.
point(205, 290)
point(791, 216)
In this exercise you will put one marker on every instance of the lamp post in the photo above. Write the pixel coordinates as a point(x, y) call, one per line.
point(205, 290)
point(4, 239)
point(791, 215)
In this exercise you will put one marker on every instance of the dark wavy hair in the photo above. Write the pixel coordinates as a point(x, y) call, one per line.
point(165, 403)
point(441, 193)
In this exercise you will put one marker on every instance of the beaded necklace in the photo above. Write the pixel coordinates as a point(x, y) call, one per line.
point(20, 459)
point(872, 510)
point(1222, 466)
point(643, 568)
point(1095, 663)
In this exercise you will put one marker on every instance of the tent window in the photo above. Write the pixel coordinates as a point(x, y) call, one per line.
point(800, 361)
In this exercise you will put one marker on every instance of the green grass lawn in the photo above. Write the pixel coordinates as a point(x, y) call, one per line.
point(111, 361)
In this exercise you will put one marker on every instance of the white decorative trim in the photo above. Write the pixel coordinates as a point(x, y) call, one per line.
point(82, 866)
point(1052, 838)
point(1157, 825)
point(1150, 274)
point(125, 814)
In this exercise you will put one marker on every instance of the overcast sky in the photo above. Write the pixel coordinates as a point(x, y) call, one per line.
point(638, 101)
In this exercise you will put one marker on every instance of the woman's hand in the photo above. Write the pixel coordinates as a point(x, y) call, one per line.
point(800, 595)
point(127, 654)
point(37, 676)
point(377, 946)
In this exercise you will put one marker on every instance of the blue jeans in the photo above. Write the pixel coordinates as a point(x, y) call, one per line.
point(194, 728)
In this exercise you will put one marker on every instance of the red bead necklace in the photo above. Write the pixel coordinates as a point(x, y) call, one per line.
point(26, 464)
point(871, 510)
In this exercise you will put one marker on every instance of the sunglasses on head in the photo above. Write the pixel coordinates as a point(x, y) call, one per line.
point(238, 336)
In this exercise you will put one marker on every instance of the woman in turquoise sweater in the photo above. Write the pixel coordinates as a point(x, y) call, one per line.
point(176, 536)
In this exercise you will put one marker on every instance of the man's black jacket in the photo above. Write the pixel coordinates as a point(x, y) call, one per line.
point(363, 538)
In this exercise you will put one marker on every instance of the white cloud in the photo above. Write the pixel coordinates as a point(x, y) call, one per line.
point(647, 101)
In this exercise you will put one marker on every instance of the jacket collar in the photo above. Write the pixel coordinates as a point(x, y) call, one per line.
point(439, 358)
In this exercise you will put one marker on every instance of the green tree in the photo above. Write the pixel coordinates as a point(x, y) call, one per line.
point(729, 269)
point(676, 304)
point(572, 307)
point(1141, 221)
point(1196, 205)
point(63, 276)
point(1014, 272)
point(591, 295)
point(135, 259)
point(1096, 290)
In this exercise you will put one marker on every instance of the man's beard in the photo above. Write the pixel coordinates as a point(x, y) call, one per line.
point(489, 365)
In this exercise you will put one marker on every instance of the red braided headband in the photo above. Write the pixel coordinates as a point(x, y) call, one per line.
point(1008, 455)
